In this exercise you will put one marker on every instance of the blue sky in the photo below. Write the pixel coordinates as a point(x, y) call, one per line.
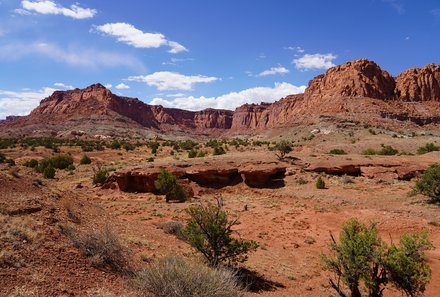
point(196, 54)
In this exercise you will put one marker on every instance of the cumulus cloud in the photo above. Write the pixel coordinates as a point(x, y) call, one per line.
point(63, 86)
point(81, 57)
point(274, 70)
point(314, 61)
point(51, 7)
point(122, 86)
point(234, 99)
point(108, 86)
point(21, 102)
point(164, 80)
point(127, 33)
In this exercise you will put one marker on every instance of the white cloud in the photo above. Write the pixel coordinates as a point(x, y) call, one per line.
point(314, 61)
point(176, 95)
point(234, 99)
point(165, 80)
point(175, 61)
point(63, 86)
point(130, 35)
point(274, 70)
point(51, 7)
point(108, 86)
point(122, 86)
point(82, 57)
point(21, 103)
point(22, 11)
point(295, 49)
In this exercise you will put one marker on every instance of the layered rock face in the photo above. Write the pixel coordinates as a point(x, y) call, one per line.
point(360, 78)
point(97, 100)
point(419, 84)
point(358, 90)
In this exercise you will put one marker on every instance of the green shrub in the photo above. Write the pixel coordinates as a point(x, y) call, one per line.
point(129, 147)
point(85, 160)
point(362, 258)
point(115, 145)
point(429, 147)
point(320, 184)
point(166, 184)
point(369, 152)
point(282, 148)
point(201, 154)
point(31, 163)
point(87, 148)
point(10, 162)
point(100, 176)
point(176, 277)
point(372, 132)
point(407, 265)
point(337, 152)
point(209, 231)
point(429, 183)
point(387, 150)
point(219, 150)
point(2, 158)
point(49, 171)
point(71, 167)
point(150, 159)
point(192, 153)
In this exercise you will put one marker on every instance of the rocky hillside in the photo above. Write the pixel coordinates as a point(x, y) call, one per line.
point(357, 90)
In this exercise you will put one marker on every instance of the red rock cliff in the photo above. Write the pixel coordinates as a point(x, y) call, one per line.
point(419, 84)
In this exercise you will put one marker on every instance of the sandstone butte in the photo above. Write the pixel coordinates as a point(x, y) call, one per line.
point(358, 90)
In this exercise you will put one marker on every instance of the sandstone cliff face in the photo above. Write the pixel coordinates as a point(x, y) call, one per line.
point(97, 100)
point(359, 78)
point(419, 84)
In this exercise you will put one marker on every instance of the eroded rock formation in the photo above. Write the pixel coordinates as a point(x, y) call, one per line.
point(419, 84)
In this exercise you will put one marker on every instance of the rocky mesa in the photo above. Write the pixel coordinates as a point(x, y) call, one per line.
point(357, 90)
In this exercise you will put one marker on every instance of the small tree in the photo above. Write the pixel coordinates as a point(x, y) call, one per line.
point(282, 148)
point(320, 184)
point(167, 184)
point(361, 257)
point(407, 264)
point(209, 231)
point(429, 183)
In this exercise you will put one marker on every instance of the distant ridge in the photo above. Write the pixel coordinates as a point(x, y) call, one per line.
point(357, 90)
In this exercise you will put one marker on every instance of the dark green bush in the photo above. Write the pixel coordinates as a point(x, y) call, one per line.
point(85, 160)
point(166, 184)
point(369, 152)
point(337, 152)
point(115, 145)
point(2, 158)
point(150, 159)
point(192, 153)
point(100, 176)
point(429, 183)
point(49, 171)
point(429, 147)
point(71, 167)
point(219, 150)
point(209, 231)
point(31, 163)
point(87, 148)
point(387, 150)
point(362, 258)
point(129, 147)
point(320, 184)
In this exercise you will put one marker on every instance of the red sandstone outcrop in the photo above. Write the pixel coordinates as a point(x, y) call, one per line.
point(419, 84)
point(211, 175)
point(359, 78)
point(358, 91)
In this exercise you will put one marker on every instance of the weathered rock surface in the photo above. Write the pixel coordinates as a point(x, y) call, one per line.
point(386, 167)
point(210, 175)
point(359, 78)
point(419, 84)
